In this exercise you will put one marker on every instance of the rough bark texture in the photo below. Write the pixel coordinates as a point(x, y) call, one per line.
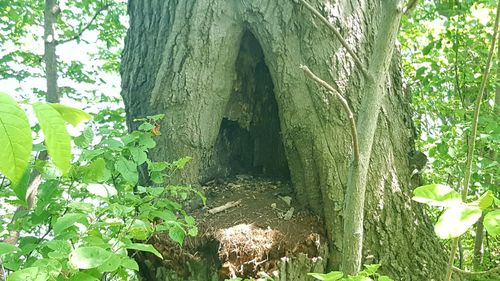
point(190, 59)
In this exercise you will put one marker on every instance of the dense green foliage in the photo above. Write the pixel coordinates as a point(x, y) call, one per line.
point(445, 46)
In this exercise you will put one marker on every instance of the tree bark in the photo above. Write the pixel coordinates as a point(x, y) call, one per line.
point(181, 59)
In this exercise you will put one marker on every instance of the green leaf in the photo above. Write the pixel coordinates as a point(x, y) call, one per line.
point(384, 278)
point(486, 200)
point(492, 222)
point(72, 115)
point(81, 276)
point(371, 268)
point(30, 273)
point(96, 171)
point(146, 140)
point(177, 233)
point(144, 248)
point(68, 220)
point(426, 50)
point(20, 188)
point(331, 276)
point(456, 220)
point(165, 215)
point(128, 170)
point(112, 264)
point(57, 138)
point(89, 257)
point(6, 248)
point(138, 155)
point(15, 139)
point(130, 263)
point(437, 195)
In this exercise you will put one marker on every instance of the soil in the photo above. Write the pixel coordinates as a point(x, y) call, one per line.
point(265, 225)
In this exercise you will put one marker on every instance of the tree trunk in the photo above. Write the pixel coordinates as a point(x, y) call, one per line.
point(226, 74)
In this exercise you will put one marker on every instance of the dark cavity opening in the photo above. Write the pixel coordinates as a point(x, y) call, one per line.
point(249, 140)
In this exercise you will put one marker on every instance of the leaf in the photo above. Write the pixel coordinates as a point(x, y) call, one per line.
point(30, 273)
point(331, 276)
point(68, 220)
point(177, 234)
point(15, 139)
point(144, 248)
point(437, 195)
point(492, 222)
point(21, 187)
point(486, 200)
point(371, 268)
point(96, 171)
point(6, 248)
point(112, 264)
point(89, 257)
point(128, 170)
point(146, 141)
point(456, 220)
point(81, 276)
point(426, 50)
point(57, 139)
point(130, 263)
point(138, 155)
point(72, 115)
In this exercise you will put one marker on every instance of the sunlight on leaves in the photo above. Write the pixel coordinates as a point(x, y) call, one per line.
point(70, 114)
point(437, 195)
point(456, 220)
point(57, 139)
point(89, 257)
point(492, 222)
point(15, 139)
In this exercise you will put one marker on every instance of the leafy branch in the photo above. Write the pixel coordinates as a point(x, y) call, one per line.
point(472, 138)
point(86, 27)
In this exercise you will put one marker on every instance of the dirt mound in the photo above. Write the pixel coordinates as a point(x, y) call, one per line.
point(248, 225)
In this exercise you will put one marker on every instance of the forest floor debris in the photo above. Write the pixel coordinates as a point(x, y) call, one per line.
point(251, 236)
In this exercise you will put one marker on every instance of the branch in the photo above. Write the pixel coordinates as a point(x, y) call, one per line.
point(345, 105)
point(86, 27)
point(477, 273)
point(412, 4)
point(355, 57)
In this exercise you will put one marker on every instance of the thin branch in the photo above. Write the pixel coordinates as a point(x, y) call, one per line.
point(412, 4)
point(477, 273)
point(355, 57)
point(82, 30)
point(345, 105)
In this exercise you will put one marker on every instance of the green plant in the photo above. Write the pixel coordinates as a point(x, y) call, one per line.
point(90, 216)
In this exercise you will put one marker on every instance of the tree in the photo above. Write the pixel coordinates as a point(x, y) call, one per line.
point(203, 62)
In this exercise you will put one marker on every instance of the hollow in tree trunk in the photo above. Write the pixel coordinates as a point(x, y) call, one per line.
point(226, 75)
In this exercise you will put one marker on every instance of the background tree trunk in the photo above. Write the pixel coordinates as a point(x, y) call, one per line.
point(196, 61)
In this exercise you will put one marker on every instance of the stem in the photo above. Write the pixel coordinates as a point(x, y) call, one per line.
point(341, 39)
point(345, 105)
point(472, 139)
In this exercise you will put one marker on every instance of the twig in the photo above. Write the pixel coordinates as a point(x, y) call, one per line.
point(477, 273)
point(345, 105)
point(224, 207)
point(356, 59)
point(82, 30)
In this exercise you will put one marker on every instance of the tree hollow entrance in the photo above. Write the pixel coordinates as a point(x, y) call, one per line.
point(249, 139)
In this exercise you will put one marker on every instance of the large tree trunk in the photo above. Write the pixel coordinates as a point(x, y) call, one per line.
point(226, 74)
